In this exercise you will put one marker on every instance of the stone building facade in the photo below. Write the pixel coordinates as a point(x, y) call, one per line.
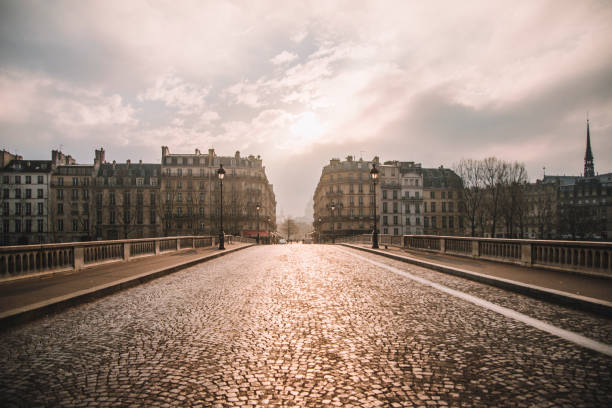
point(346, 185)
point(442, 208)
point(24, 201)
point(190, 195)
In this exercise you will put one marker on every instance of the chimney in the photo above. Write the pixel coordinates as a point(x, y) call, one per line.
point(99, 158)
point(140, 161)
point(237, 155)
point(211, 157)
point(197, 152)
point(165, 151)
point(128, 162)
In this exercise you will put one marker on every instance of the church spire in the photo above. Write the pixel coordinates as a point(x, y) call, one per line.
point(589, 168)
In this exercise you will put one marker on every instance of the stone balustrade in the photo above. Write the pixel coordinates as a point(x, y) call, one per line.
point(578, 256)
point(25, 260)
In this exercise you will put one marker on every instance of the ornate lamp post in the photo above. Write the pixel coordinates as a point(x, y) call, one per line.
point(221, 174)
point(269, 237)
point(320, 229)
point(257, 207)
point(374, 177)
point(332, 207)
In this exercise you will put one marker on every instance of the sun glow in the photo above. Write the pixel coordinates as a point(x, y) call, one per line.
point(307, 128)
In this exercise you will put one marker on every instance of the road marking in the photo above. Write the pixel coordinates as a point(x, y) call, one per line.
point(513, 314)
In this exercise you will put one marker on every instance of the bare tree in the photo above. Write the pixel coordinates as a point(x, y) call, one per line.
point(512, 204)
point(472, 192)
point(494, 173)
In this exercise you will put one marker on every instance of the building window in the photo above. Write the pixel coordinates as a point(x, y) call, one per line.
point(384, 194)
point(152, 217)
point(384, 207)
point(395, 207)
point(408, 221)
point(395, 220)
point(395, 194)
point(425, 222)
point(17, 225)
point(450, 195)
point(28, 209)
point(451, 222)
point(111, 217)
point(433, 207)
point(112, 198)
point(126, 217)
point(60, 225)
point(5, 226)
point(75, 181)
point(5, 193)
point(432, 194)
point(443, 206)
point(139, 182)
point(60, 208)
point(75, 195)
point(5, 209)
point(179, 172)
point(28, 179)
point(385, 220)
point(40, 225)
point(39, 193)
point(450, 206)
point(139, 217)
point(17, 208)
point(85, 225)
point(40, 179)
point(385, 231)
point(126, 198)
point(40, 208)
point(17, 179)
point(433, 222)
point(60, 181)
point(28, 193)
point(18, 193)
point(75, 225)
point(60, 194)
point(395, 231)
point(444, 221)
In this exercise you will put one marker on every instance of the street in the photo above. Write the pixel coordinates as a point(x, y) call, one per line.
point(306, 325)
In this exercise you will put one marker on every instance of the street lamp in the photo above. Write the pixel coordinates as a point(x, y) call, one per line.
point(269, 238)
point(374, 177)
point(320, 229)
point(258, 207)
point(221, 174)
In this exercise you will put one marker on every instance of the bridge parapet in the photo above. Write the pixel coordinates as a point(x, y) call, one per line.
point(25, 260)
point(577, 256)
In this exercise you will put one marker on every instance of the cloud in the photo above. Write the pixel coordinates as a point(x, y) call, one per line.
point(174, 92)
point(283, 58)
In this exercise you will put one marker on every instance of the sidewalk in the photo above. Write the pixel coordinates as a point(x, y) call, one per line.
point(582, 291)
point(27, 299)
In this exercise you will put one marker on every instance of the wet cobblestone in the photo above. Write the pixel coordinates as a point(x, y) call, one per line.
point(301, 326)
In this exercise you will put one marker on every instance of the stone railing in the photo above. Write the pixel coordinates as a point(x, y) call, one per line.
point(585, 257)
point(16, 261)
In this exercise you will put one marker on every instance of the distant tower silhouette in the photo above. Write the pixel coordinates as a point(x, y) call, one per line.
point(589, 167)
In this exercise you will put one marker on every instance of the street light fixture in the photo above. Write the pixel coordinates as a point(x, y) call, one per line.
point(221, 174)
point(374, 177)
point(269, 238)
point(257, 207)
point(332, 206)
point(320, 229)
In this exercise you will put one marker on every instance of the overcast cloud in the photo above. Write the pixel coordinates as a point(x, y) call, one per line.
point(301, 82)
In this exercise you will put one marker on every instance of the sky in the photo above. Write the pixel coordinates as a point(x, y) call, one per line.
point(301, 82)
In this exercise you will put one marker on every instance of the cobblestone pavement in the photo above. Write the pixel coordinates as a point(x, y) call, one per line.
point(303, 325)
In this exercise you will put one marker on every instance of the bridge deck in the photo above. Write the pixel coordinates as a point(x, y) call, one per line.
point(584, 285)
point(23, 293)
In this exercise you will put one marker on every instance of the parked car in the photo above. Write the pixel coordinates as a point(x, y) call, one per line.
point(282, 241)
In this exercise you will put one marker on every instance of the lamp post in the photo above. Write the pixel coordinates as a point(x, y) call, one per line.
point(320, 229)
point(332, 207)
point(269, 238)
point(257, 207)
point(374, 177)
point(221, 174)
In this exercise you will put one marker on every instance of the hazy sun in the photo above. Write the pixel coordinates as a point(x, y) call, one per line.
point(307, 127)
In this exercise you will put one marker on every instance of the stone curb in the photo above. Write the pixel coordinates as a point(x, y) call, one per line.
point(34, 311)
point(589, 304)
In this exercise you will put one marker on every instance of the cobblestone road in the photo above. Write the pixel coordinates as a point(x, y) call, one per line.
point(303, 326)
